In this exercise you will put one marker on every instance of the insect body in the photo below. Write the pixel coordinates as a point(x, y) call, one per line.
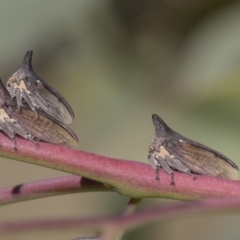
point(172, 151)
point(27, 86)
point(11, 127)
point(30, 125)
point(8, 124)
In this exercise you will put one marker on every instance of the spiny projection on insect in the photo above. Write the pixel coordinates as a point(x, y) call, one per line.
point(171, 151)
point(28, 87)
point(26, 123)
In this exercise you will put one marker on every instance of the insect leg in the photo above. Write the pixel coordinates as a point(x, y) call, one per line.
point(155, 165)
point(166, 167)
point(15, 143)
point(157, 174)
point(8, 131)
point(20, 131)
point(18, 97)
point(178, 165)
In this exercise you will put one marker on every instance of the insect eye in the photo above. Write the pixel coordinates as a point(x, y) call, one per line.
point(151, 149)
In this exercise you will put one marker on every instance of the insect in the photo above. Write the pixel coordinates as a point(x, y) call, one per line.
point(172, 151)
point(29, 125)
point(26, 85)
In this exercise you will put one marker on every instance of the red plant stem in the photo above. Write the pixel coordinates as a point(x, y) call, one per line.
point(129, 178)
point(123, 222)
point(50, 187)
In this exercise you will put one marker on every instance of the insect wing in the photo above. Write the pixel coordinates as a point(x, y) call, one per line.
point(202, 161)
point(59, 96)
point(48, 102)
point(44, 128)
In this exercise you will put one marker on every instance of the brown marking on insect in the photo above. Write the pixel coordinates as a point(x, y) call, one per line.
point(3, 115)
point(163, 152)
point(22, 87)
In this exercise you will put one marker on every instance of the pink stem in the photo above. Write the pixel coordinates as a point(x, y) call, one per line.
point(129, 178)
point(123, 222)
point(50, 187)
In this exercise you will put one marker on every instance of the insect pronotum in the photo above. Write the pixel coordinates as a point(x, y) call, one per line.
point(27, 86)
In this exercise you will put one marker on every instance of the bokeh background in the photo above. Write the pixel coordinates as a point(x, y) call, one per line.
point(117, 62)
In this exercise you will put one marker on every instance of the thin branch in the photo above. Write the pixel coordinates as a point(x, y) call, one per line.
point(50, 187)
point(116, 231)
point(131, 207)
point(129, 178)
point(123, 222)
point(129, 210)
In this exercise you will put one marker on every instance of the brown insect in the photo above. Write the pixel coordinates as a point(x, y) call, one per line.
point(172, 151)
point(30, 125)
point(28, 87)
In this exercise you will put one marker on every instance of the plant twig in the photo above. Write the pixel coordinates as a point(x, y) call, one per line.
point(116, 232)
point(129, 178)
point(50, 187)
point(123, 222)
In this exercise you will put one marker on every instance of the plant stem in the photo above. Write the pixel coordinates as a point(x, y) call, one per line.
point(130, 178)
point(50, 187)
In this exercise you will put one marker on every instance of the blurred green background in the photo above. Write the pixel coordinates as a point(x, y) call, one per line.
point(117, 62)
